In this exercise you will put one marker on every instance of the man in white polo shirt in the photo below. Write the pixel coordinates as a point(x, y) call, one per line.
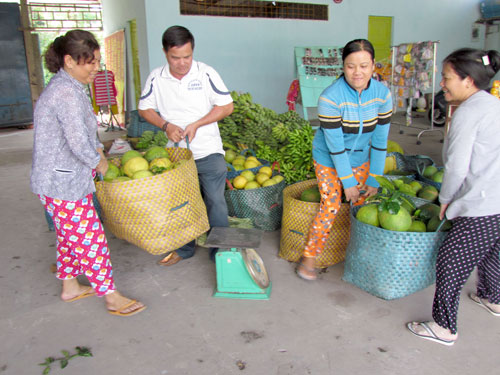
point(191, 97)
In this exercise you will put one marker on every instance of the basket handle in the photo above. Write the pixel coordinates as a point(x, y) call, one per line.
point(231, 167)
point(276, 164)
point(244, 151)
point(438, 229)
point(231, 187)
point(176, 144)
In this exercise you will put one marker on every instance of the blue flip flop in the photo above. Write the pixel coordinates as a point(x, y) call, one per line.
point(430, 333)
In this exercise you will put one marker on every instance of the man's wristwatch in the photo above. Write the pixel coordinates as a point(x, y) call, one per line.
point(164, 127)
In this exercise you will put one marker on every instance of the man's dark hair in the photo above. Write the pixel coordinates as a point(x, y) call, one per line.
point(176, 36)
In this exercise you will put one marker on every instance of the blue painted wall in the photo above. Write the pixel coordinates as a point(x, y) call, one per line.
point(257, 55)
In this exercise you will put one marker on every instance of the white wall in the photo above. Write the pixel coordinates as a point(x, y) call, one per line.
point(256, 55)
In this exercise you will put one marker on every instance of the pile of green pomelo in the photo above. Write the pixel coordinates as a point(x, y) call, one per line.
point(434, 174)
point(248, 180)
point(135, 165)
point(409, 187)
point(401, 215)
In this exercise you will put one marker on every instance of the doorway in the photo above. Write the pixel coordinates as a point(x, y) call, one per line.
point(380, 35)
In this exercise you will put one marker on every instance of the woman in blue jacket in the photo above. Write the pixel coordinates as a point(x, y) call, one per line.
point(350, 146)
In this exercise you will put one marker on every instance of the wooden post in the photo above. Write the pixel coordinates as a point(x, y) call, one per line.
point(33, 58)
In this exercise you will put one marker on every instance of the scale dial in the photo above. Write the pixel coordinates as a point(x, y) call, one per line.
point(256, 268)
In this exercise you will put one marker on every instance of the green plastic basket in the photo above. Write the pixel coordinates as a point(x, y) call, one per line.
point(138, 125)
point(263, 205)
point(389, 264)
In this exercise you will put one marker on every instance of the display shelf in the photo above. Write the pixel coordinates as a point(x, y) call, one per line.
point(413, 73)
point(317, 67)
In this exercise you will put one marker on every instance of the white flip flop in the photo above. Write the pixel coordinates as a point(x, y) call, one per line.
point(478, 301)
point(430, 336)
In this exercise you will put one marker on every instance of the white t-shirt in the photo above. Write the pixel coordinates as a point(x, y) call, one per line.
point(185, 101)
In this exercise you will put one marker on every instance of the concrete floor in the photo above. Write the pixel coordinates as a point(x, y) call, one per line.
point(322, 327)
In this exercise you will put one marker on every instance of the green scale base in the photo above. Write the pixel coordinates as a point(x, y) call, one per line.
point(234, 279)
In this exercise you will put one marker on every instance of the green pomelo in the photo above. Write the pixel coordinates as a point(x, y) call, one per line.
point(399, 222)
point(278, 178)
point(438, 176)
point(311, 195)
point(434, 222)
point(142, 174)
point(129, 155)
point(429, 171)
point(398, 183)
point(417, 226)
point(429, 210)
point(229, 156)
point(155, 152)
point(112, 173)
point(251, 185)
point(135, 165)
point(407, 189)
point(416, 186)
point(121, 179)
point(249, 175)
point(429, 193)
point(160, 163)
point(408, 207)
point(369, 215)
point(269, 182)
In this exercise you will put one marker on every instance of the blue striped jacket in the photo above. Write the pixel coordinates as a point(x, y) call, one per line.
point(353, 129)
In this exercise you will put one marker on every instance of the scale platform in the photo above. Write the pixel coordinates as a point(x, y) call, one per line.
point(241, 273)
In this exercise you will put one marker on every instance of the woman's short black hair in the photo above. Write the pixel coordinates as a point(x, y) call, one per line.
point(357, 45)
point(176, 36)
point(79, 44)
point(479, 65)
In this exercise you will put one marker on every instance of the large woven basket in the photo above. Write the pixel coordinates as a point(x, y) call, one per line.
point(159, 213)
point(390, 264)
point(297, 220)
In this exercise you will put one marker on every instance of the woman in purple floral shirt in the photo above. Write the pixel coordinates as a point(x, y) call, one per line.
point(66, 156)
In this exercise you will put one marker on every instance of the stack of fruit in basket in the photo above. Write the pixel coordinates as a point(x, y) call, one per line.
point(433, 173)
point(133, 165)
point(396, 213)
point(409, 187)
point(248, 180)
point(240, 162)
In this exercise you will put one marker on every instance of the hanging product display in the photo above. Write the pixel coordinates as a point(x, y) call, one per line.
point(413, 70)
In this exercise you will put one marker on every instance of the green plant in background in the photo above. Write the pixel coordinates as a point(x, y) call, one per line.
point(81, 351)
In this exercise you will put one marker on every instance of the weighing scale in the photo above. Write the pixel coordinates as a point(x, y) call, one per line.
point(240, 270)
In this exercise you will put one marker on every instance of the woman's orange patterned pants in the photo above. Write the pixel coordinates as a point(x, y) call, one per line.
point(330, 188)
